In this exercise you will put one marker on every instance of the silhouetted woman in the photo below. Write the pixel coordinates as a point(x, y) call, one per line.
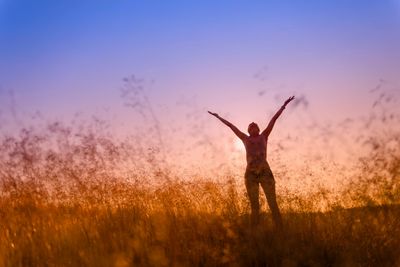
point(258, 171)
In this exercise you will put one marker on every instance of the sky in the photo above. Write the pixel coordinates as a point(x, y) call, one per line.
point(238, 58)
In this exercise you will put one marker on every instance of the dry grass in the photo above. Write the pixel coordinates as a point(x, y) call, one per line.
point(189, 225)
point(67, 208)
point(72, 196)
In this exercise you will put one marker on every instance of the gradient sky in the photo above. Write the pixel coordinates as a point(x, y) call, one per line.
point(238, 58)
point(71, 55)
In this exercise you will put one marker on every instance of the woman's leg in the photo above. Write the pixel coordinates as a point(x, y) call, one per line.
point(252, 188)
point(268, 185)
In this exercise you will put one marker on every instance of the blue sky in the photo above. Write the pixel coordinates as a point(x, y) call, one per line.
point(63, 56)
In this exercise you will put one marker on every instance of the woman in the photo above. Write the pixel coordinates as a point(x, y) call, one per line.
point(258, 171)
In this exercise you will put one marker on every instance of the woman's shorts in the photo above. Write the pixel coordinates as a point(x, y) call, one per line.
point(258, 173)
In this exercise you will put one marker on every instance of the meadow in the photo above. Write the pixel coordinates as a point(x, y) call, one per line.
point(67, 209)
point(180, 225)
point(74, 196)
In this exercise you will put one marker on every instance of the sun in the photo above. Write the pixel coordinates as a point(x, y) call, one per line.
point(238, 144)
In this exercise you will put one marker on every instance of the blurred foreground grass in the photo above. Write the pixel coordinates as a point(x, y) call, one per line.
point(72, 195)
point(204, 224)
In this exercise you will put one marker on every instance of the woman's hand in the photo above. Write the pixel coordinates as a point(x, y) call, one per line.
point(288, 101)
point(214, 114)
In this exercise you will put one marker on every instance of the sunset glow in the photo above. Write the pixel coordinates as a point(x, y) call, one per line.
point(242, 67)
point(128, 136)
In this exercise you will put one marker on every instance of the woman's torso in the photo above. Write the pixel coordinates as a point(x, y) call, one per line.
point(256, 151)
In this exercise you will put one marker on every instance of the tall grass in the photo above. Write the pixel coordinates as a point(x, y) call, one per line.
point(200, 224)
point(74, 196)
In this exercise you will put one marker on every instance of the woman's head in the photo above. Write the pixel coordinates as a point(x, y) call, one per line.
point(253, 129)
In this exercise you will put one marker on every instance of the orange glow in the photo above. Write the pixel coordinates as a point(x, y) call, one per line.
point(238, 144)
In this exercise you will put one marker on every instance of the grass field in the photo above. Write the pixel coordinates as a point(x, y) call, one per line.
point(189, 225)
point(66, 200)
